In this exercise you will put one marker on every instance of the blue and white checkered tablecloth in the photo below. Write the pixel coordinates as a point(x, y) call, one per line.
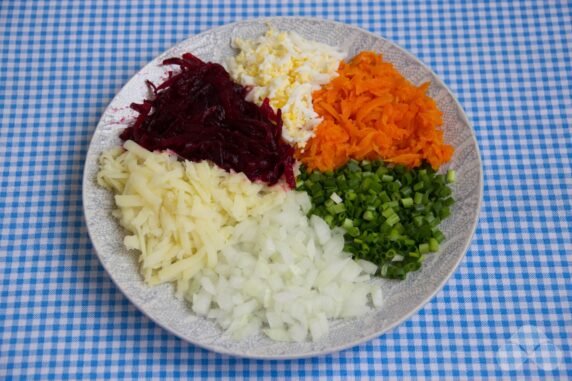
point(506, 312)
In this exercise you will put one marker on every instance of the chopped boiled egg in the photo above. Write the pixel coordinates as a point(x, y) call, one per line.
point(286, 68)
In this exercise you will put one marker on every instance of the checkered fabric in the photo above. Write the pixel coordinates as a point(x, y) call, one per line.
point(506, 312)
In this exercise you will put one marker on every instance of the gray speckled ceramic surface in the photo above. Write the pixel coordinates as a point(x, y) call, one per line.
point(402, 299)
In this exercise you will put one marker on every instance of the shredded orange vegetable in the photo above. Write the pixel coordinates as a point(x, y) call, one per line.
point(371, 111)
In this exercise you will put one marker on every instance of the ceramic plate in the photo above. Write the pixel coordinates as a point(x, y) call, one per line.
point(402, 298)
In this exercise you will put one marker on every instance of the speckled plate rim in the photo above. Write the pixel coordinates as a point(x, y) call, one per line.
point(360, 340)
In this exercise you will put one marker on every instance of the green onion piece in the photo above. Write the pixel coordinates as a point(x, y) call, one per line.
point(353, 166)
point(337, 208)
point(347, 223)
point(384, 197)
point(381, 171)
point(368, 215)
point(451, 176)
point(386, 178)
point(407, 202)
point(444, 213)
point(392, 220)
point(406, 191)
point(389, 205)
point(393, 234)
point(448, 201)
point(315, 176)
point(433, 245)
point(418, 220)
point(387, 213)
point(439, 236)
point(353, 231)
point(429, 218)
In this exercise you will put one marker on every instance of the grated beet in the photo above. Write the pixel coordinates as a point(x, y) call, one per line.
point(201, 114)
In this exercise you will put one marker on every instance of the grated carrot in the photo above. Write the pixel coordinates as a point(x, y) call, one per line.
point(370, 111)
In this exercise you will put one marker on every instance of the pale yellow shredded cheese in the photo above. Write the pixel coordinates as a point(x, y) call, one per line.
point(178, 214)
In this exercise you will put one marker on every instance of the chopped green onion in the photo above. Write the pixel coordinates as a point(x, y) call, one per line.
point(390, 213)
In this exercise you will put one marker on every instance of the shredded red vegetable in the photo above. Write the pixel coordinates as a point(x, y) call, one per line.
point(201, 114)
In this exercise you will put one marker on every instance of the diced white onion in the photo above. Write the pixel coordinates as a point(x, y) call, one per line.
point(242, 254)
